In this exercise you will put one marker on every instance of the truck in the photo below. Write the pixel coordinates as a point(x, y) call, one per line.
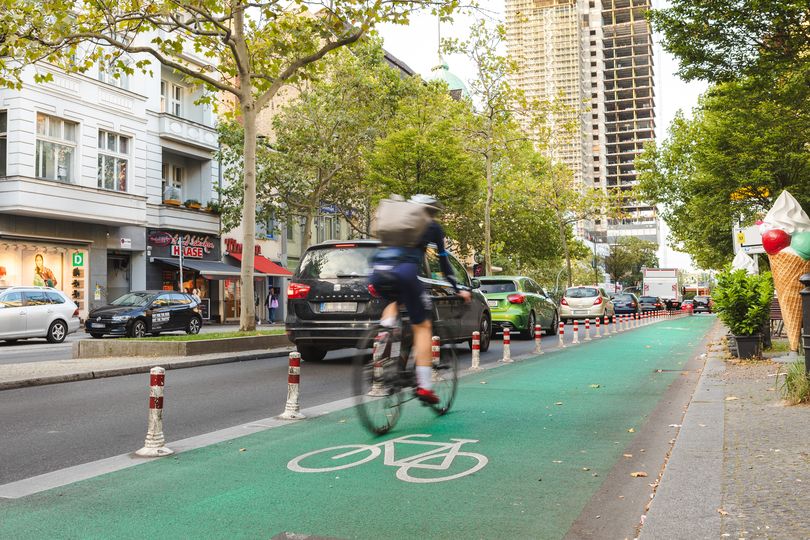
point(663, 283)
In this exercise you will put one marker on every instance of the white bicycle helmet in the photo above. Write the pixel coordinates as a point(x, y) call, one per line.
point(433, 204)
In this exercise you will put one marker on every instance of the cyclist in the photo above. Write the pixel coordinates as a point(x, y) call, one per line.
point(401, 265)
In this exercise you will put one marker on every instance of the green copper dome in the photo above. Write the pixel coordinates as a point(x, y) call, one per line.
point(457, 87)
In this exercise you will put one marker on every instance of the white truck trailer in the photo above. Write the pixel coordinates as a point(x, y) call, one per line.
point(665, 284)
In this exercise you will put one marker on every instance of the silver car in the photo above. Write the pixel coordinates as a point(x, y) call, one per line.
point(36, 312)
point(585, 303)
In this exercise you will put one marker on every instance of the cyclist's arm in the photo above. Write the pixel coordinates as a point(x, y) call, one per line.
point(444, 259)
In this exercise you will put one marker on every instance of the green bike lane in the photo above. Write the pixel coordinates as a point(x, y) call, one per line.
point(549, 433)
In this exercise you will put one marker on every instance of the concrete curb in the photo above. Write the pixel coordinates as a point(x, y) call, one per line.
point(86, 375)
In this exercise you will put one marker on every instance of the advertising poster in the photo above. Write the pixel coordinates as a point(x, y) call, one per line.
point(43, 269)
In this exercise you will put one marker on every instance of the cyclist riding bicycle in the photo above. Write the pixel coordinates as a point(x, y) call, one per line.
point(401, 265)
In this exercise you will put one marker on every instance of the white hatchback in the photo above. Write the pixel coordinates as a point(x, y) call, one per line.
point(585, 303)
point(36, 312)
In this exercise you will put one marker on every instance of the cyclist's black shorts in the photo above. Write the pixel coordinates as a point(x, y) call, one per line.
point(409, 290)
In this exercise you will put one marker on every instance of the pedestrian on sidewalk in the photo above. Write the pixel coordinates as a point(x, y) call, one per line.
point(272, 304)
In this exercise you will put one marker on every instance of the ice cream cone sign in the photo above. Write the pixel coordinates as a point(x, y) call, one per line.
point(787, 228)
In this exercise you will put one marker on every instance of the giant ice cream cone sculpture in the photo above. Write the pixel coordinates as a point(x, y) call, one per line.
point(787, 224)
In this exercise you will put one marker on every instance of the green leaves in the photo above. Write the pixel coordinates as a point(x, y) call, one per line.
point(743, 301)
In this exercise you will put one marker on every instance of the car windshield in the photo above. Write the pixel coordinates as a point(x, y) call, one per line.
point(134, 299)
point(623, 297)
point(498, 286)
point(581, 292)
point(701, 299)
point(336, 262)
point(648, 299)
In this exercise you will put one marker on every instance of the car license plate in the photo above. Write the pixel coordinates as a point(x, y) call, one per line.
point(338, 307)
point(492, 303)
point(97, 325)
point(580, 312)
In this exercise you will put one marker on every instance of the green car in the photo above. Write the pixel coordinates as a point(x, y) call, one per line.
point(518, 303)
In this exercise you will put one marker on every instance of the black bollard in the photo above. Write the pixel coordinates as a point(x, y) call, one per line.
point(805, 280)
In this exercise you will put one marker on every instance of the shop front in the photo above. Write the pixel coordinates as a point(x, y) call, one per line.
point(270, 276)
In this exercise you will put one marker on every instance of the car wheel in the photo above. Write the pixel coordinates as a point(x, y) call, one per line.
point(555, 323)
point(96, 336)
point(310, 353)
point(138, 329)
point(194, 326)
point(57, 332)
point(485, 330)
point(529, 332)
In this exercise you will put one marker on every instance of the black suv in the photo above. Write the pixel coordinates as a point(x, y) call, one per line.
point(329, 306)
point(145, 312)
point(703, 304)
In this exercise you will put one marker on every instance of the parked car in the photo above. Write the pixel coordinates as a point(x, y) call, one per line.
point(139, 313)
point(703, 304)
point(329, 306)
point(688, 305)
point(36, 312)
point(625, 303)
point(518, 303)
point(585, 303)
point(650, 303)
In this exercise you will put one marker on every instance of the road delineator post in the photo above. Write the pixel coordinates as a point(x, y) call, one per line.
point(575, 341)
point(155, 443)
point(561, 334)
point(587, 329)
point(607, 325)
point(538, 339)
point(476, 351)
point(378, 369)
point(598, 333)
point(507, 344)
point(292, 410)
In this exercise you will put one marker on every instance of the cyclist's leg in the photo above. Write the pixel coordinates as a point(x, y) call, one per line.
point(418, 304)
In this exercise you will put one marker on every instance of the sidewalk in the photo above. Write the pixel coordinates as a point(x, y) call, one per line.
point(740, 466)
point(80, 369)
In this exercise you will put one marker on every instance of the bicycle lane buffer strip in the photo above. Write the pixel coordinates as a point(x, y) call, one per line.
point(539, 425)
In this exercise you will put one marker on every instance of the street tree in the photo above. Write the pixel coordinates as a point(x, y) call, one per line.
point(245, 49)
point(627, 257)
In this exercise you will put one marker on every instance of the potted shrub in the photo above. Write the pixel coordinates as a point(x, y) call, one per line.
point(213, 207)
point(742, 302)
point(194, 204)
point(171, 196)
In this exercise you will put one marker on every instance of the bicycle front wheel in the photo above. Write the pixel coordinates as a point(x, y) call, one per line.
point(377, 384)
point(445, 375)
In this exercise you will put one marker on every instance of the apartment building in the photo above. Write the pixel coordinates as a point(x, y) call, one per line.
point(594, 59)
point(104, 182)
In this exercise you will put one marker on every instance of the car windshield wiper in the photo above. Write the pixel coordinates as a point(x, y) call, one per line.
point(350, 275)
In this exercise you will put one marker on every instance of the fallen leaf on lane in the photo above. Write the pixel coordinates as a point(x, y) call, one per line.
point(638, 474)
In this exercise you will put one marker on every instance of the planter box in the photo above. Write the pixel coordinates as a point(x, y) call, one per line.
point(101, 348)
point(748, 346)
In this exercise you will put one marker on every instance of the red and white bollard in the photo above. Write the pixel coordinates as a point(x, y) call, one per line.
point(598, 333)
point(476, 351)
point(608, 329)
point(637, 323)
point(507, 344)
point(576, 333)
point(561, 334)
point(155, 443)
point(538, 339)
point(587, 329)
point(378, 367)
point(292, 410)
point(435, 356)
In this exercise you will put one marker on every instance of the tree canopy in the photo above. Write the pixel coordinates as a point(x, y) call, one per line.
point(626, 258)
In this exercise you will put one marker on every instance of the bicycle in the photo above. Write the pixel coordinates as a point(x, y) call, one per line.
point(381, 381)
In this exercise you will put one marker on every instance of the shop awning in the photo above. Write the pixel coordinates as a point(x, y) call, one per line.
point(264, 265)
point(208, 269)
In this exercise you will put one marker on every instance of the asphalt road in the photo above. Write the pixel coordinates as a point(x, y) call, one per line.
point(47, 428)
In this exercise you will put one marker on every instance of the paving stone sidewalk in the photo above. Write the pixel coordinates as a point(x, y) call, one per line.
point(740, 467)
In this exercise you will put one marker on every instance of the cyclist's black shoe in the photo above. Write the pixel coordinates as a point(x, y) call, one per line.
point(427, 396)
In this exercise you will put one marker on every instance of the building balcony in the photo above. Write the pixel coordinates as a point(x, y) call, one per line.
point(25, 196)
point(177, 129)
point(179, 218)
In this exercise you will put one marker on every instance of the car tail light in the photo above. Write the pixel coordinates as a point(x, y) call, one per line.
point(597, 301)
point(516, 298)
point(563, 301)
point(658, 304)
point(373, 291)
point(76, 312)
point(632, 304)
point(296, 291)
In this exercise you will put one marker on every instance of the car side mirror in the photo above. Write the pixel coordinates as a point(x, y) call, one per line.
point(476, 283)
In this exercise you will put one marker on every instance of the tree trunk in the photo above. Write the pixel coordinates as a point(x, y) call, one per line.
point(306, 237)
point(564, 240)
point(487, 218)
point(247, 313)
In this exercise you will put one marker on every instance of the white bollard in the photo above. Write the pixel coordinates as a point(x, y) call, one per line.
point(292, 409)
point(576, 333)
point(561, 334)
point(507, 352)
point(607, 325)
point(476, 351)
point(598, 333)
point(155, 443)
point(538, 339)
point(587, 329)
point(378, 369)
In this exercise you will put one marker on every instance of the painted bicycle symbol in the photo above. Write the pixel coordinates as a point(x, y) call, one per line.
point(439, 458)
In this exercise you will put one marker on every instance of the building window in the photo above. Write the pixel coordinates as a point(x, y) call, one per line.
point(290, 230)
point(113, 160)
point(109, 73)
point(171, 98)
point(172, 182)
point(3, 139)
point(56, 148)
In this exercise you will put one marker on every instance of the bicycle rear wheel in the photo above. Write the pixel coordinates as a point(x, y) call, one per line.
point(377, 385)
point(445, 375)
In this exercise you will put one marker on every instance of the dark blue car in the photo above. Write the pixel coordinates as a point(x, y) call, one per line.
point(626, 303)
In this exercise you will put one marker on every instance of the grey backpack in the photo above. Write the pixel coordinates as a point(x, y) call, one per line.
point(400, 223)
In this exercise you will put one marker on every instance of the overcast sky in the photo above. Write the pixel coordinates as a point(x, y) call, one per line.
point(417, 46)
